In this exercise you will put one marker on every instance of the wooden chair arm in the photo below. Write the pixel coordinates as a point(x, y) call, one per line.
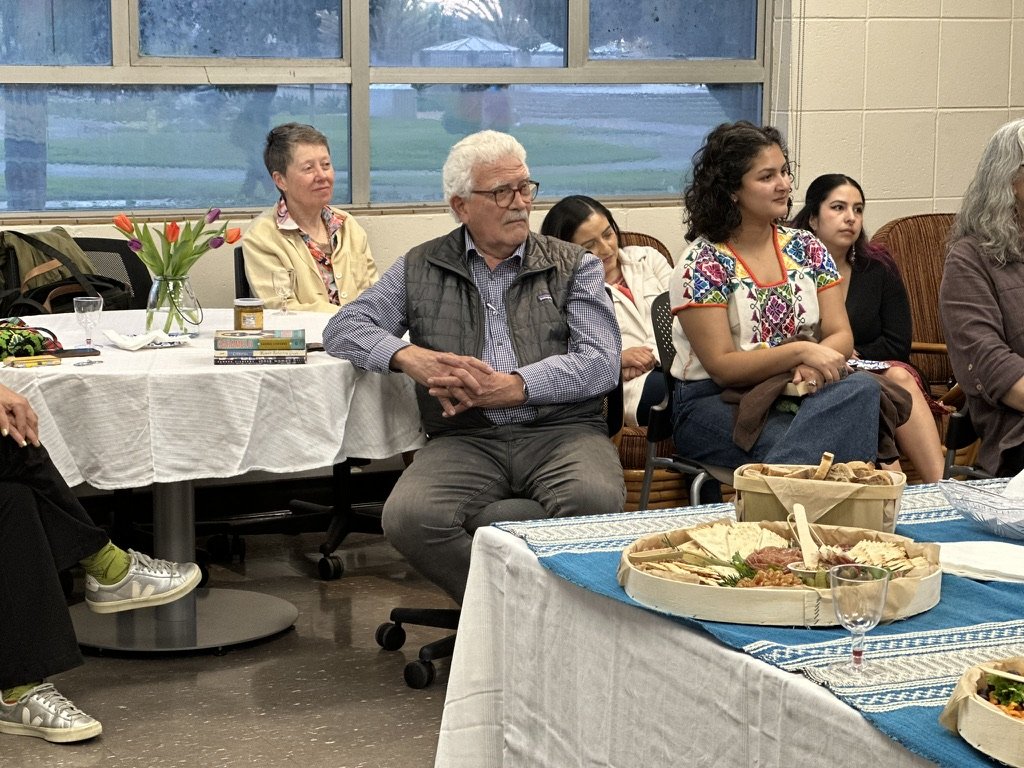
point(928, 347)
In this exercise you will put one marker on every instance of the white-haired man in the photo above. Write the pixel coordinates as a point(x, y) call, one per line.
point(513, 344)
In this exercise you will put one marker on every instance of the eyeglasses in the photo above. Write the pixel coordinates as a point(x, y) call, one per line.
point(504, 195)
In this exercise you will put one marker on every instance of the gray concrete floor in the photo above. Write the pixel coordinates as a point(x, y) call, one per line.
point(322, 694)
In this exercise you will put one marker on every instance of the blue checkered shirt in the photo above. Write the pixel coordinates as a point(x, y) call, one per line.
point(368, 332)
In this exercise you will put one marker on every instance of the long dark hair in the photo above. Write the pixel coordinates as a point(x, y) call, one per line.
point(567, 214)
point(718, 169)
point(817, 194)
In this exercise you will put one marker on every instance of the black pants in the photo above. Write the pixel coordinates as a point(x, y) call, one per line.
point(43, 530)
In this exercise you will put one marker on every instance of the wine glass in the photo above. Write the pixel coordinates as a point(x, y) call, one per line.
point(858, 598)
point(87, 312)
point(283, 280)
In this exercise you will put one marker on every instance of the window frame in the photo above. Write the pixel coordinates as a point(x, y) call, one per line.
point(353, 69)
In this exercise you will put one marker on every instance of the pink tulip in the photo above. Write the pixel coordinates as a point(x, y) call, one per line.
point(212, 215)
point(217, 242)
point(135, 245)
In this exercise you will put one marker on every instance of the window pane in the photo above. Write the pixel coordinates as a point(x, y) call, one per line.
point(309, 29)
point(578, 138)
point(67, 32)
point(468, 33)
point(683, 29)
point(109, 147)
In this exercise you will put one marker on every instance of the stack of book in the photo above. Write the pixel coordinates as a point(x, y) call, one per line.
point(259, 347)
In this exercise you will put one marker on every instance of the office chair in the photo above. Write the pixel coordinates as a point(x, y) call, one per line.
point(659, 425)
point(340, 518)
point(960, 434)
point(391, 634)
point(113, 258)
point(242, 289)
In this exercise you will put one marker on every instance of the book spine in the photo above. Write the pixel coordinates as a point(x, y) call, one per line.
point(259, 353)
point(283, 360)
point(259, 344)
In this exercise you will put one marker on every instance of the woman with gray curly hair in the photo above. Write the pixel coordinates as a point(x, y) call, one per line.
point(980, 299)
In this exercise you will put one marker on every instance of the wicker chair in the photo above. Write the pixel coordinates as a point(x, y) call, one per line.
point(668, 489)
point(918, 244)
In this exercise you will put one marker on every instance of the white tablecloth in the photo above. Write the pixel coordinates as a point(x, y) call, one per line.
point(171, 415)
point(548, 674)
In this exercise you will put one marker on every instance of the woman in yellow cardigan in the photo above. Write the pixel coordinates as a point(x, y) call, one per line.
point(326, 247)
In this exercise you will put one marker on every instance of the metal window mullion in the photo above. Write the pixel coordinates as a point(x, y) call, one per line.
point(358, 55)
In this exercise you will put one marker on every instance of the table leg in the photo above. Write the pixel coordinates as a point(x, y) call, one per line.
point(205, 619)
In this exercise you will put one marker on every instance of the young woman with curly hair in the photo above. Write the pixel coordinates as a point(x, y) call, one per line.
point(758, 309)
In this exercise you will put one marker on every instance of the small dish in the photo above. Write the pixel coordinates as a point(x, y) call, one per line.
point(812, 577)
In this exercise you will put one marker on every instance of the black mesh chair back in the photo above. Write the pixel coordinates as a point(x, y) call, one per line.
point(659, 424)
point(113, 258)
point(242, 289)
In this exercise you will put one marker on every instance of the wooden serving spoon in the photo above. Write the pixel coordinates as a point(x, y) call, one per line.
point(1001, 673)
point(803, 532)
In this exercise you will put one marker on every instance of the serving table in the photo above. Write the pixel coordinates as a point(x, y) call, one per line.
point(165, 417)
point(555, 665)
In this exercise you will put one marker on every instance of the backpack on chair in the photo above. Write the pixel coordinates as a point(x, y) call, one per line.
point(43, 272)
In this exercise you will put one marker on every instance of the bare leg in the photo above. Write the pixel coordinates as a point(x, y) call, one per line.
point(918, 438)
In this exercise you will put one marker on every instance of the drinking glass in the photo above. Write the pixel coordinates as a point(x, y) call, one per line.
point(87, 312)
point(283, 281)
point(858, 597)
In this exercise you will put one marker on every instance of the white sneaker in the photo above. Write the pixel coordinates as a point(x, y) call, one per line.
point(44, 713)
point(148, 582)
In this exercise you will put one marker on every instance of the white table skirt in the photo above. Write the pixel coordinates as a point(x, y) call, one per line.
point(548, 674)
point(171, 415)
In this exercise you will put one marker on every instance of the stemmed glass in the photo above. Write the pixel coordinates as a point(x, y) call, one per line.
point(858, 598)
point(283, 280)
point(87, 312)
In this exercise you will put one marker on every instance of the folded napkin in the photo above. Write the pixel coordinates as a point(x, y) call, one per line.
point(983, 560)
point(140, 340)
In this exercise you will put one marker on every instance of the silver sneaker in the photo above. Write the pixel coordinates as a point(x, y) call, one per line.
point(148, 582)
point(44, 713)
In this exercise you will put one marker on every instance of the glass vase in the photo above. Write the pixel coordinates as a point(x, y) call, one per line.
point(173, 307)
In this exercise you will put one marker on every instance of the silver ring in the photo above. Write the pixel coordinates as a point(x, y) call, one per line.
point(813, 383)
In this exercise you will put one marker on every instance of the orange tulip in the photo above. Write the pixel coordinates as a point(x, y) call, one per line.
point(123, 223)
point(233, 234)
point(171, 231)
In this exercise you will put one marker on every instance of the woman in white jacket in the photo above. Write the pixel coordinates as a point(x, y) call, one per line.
point(636, 275)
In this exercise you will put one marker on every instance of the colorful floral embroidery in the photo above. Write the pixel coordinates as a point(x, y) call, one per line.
point(762, 314)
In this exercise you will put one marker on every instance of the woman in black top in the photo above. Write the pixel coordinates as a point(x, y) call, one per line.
point(876, 302)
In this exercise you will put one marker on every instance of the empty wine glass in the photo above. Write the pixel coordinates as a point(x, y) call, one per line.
point(283, 280)
point(858, 598)
point(87, 312)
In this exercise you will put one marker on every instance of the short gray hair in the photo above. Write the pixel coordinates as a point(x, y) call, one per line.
point(989, 211)
point(476, 149)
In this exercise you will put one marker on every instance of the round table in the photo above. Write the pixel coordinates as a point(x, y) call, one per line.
point(168, 416)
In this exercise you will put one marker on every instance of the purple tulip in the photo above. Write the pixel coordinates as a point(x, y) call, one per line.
point(212, 215)
point(135, 245)
point(217, 242)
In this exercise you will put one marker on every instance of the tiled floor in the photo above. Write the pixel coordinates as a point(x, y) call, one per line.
point(322, 694)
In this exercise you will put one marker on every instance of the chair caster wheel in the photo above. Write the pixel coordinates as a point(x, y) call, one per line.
point(390, 636)
point(419, 674)
point(330, 567)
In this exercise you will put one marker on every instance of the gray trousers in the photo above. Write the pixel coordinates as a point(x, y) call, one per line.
point(457, 484)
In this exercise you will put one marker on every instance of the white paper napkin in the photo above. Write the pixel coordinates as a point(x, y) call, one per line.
point(138, 341)
point(983, 560)
point(1015, 488)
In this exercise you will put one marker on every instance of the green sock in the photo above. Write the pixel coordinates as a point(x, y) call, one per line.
point(108, 566)
point(11, 695)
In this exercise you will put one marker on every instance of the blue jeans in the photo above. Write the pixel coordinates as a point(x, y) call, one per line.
point(842, 418)
point(459, 483)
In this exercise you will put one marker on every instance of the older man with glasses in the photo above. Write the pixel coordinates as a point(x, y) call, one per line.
point(513, 344)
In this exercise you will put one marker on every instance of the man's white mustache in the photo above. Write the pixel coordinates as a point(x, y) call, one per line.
point(517, 216)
